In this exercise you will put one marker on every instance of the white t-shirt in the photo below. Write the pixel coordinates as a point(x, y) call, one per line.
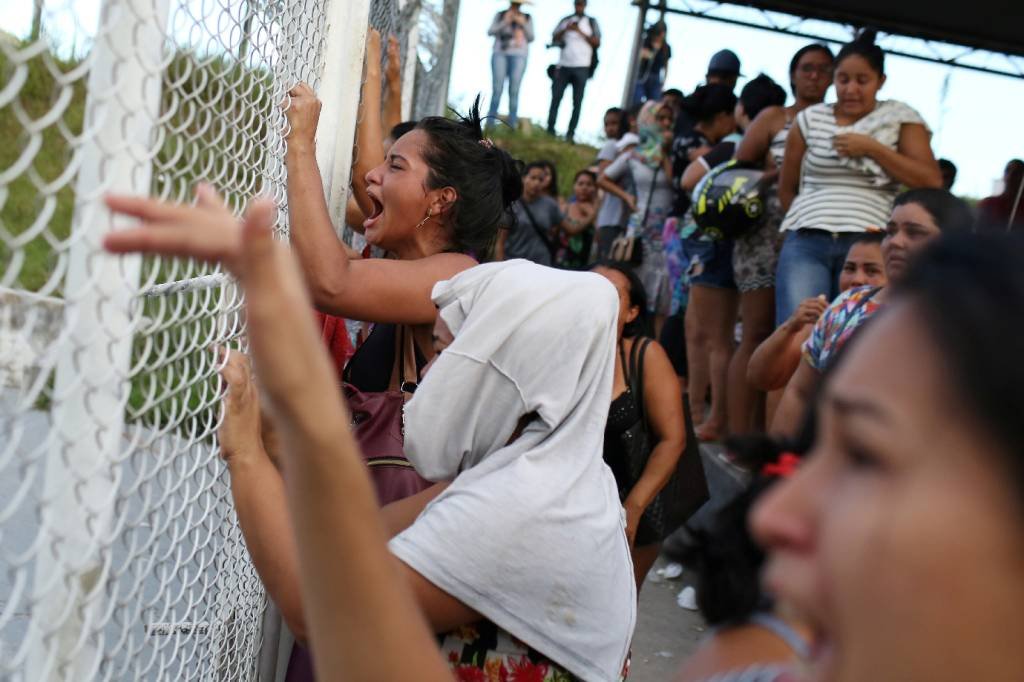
point(577, 51)
point(531, 533)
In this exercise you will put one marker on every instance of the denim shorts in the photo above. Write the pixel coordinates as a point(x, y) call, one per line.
point(710, 263)
point(809, 265)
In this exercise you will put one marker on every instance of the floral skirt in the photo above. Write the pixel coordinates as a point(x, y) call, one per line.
point(483, 652)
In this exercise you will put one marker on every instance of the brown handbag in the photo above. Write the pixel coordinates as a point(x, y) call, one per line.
point(377, 424)
point(629, 249)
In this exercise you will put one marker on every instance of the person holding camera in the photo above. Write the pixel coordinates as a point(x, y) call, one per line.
point(578, 36)
point(513, 32)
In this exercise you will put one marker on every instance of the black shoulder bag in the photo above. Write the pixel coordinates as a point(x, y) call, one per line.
point(595, 30)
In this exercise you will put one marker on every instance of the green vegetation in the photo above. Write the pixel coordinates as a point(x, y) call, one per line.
point(215, 103)
point(532, 143)
point(214, 118)
point(23, 205)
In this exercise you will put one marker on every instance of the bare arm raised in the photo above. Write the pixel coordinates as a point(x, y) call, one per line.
point(377, 630)
point(376, 290)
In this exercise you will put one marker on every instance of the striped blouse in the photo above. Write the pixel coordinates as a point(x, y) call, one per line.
point(842, 194)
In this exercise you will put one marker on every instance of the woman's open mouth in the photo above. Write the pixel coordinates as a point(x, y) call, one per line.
point(378, 211)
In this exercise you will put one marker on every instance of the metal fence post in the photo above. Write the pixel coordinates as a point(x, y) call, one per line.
point(339, 92)
point(634, 57)
point(410, 15)
point(92, 385)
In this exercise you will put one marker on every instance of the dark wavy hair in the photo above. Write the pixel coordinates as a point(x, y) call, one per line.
point(707, 101)
point(759, 94)
point(637, 297)
point(950, 213)
point(485, 177)
point(864, 46)
point(585, 171)
point(968, 290)
point(400, 129)
point(726, 558)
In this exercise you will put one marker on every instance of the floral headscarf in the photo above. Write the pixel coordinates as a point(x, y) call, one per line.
point(649, 150)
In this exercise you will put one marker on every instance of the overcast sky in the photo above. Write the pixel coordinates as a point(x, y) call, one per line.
point(976, 118)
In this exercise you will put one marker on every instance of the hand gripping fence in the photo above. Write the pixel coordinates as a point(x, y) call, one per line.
point(120, 553)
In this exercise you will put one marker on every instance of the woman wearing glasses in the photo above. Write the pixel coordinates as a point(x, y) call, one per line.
point(764, 143)
point(845, 163)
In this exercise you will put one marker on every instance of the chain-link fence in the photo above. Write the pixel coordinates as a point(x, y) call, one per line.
point(436, 43)
point(120, 555)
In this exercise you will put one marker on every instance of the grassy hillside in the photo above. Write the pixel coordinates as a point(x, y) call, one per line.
point(23, 205)
point(213, 122)
point(214, 105)
point(534, 144)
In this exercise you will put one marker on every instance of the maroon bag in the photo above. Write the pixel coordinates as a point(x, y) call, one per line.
point(377, 425)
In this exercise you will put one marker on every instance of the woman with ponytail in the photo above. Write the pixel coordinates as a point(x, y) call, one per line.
point(843, 165)
point(437, 202)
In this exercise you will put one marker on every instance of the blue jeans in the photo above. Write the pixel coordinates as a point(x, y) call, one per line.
point(511, 66)
point(809, 265)
point(710, 262)
point(647, 89)
point(564, 76)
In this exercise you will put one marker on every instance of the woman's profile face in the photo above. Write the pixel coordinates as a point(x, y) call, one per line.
point(627, 311)
point(857, 85)
point(910, 228)
point(900, 539)
point(398, 190)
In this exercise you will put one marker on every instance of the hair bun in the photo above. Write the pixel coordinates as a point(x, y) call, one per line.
point(471, 121)
point(866, 36)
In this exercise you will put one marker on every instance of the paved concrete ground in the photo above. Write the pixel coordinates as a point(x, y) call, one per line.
point(665, 633)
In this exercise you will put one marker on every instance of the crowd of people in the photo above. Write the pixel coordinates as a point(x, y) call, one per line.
point(828, 177)
point(479, 489)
